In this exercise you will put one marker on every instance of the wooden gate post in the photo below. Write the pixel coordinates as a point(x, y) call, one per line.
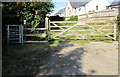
point(47, 26)
point(115, 31)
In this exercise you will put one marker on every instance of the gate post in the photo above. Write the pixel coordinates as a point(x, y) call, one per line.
point(115, 31)
point(47, 26)
point(22, 35)
point(8, 32)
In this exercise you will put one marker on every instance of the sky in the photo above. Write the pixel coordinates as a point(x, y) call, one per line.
point(62, 3)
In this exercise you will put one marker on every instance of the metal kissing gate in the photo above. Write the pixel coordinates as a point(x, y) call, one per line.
point(15, 34)
point(21, 34)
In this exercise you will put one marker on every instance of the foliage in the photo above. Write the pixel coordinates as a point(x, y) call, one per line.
point(73, 18)
point(33, 12)
point(56, 18)
point(118, 22)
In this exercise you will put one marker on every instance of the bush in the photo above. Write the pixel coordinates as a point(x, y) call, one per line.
point(73, 18)
point(56, 18)
point(118, 22)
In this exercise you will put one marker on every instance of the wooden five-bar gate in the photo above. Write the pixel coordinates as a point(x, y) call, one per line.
point(63, 30)
point(83, 30)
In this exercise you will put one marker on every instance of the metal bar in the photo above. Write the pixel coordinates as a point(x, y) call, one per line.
point(22, 34)
point(35, 28)
point(35, 41)
point(35, 35)
point(8, 34)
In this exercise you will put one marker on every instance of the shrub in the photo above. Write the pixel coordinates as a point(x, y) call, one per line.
point(118, 22)
point(56, 18)
point(73, 18)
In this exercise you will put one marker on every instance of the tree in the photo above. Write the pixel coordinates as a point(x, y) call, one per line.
point(33, 12)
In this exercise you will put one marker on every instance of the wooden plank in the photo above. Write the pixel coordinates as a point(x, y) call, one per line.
point(90, 34)
point(35, 28)
point(64, 21)
point(91, 30)
point(35, 35)
point(65, 30)
point(85, 26)
point(35, 41)
point(56, 30)
point(96, 30)
point(115, 31)
point(91, 38)
point(49, 36)
point(58, 26)
point(81, 21)
point(82, 30)
point(47, 27)
point(100, 32)
point(98, 21)
point(96, 25)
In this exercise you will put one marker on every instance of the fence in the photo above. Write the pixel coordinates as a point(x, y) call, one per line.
point(100, 14)
point(83, 30)
point(102, 29)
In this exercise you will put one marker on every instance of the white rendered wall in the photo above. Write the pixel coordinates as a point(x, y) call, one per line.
point(67, 11)
point(100, 3)
point(81, 11)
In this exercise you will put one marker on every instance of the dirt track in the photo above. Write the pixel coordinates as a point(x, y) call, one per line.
point(94, 58)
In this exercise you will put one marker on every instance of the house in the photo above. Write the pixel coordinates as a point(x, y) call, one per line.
point(61, 12)
point(114, 4)
point(78, 7)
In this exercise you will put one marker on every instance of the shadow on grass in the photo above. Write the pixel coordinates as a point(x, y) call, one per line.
point(43, 59)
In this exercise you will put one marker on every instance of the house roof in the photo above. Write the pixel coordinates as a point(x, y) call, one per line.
point(60, 11)
point(78, 3)
point(115, 2)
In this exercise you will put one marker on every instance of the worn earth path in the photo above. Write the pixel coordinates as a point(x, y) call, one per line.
point(94, 58)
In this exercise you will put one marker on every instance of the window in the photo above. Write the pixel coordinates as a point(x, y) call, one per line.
point(79, 9)
point(68, 8)
point(96, 7)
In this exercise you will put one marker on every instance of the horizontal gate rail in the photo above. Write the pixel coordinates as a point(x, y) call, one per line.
point(63, 21)
point(35, 28)
point(82, 30)
point(81, 22)
point(35, 34)
point(35, 41)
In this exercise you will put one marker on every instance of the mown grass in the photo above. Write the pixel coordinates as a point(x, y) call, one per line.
point(25, 55)
point(16, 55)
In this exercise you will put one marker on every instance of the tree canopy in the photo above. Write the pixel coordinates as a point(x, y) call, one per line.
point(33, 12)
